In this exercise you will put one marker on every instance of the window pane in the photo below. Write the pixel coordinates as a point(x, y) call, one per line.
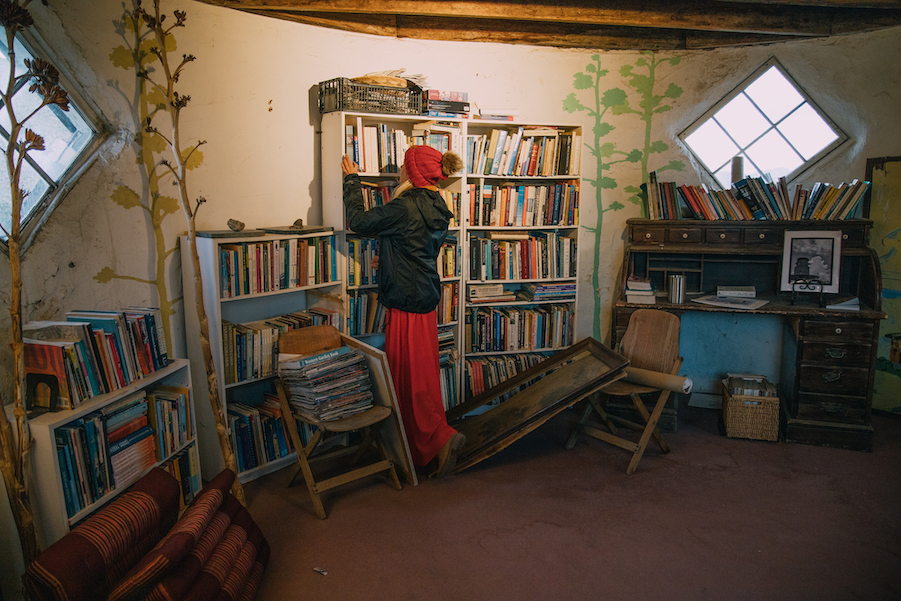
point(21, 55)
point(808, 132)
point(711, 144)
point(724, 177)
point(774, 94)
point(29, 181)
point(742, 120)
point(773, 155)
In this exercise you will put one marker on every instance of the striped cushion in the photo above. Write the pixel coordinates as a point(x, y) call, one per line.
point(178, 542)
point(84, 564)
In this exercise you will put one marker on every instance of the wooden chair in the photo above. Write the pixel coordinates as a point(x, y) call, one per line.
point(651, 342)
point(308, 341)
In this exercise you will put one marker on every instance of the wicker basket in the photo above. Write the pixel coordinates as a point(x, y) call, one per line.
point(343, 94)
point(755, 417)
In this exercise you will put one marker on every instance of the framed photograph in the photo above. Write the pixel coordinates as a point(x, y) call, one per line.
point(812, 256)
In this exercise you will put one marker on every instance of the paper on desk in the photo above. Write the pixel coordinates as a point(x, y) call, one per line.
point(730, 302)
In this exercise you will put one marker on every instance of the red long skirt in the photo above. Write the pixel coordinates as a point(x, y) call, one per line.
point(411, 343)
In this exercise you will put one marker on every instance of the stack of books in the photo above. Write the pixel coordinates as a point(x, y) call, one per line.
point(489, 293)
point(446, 104)
point(538, 292)
point(329, 385)
point(640, 291)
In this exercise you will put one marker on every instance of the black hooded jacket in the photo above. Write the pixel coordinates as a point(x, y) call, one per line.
point(411, 230)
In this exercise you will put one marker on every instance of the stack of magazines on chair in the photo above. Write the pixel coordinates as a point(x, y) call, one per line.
point(329, 385)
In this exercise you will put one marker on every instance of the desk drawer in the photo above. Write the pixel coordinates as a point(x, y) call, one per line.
point(854, 236)
point(648, 235)
point(685, 235)
point(832, 408)
point(834, 379)
point(836, 329)
point(721, 235)
point(836, 353)
point(762, 237)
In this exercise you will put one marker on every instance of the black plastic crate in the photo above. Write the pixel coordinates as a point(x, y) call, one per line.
point(343, 94)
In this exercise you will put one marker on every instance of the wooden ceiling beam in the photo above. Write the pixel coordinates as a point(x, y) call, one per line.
point(771, 17)
point(514, 32)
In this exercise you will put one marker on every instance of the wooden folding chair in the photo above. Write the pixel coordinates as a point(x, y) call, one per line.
point(307, 341)
point(651, 342)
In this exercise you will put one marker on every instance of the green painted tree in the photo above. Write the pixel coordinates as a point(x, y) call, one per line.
point(650, 104)
point(615, 102)
point(156, 206)
point(605, 155)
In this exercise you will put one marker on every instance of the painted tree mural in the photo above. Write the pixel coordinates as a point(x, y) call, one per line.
point(150, 200)
point(616, 102)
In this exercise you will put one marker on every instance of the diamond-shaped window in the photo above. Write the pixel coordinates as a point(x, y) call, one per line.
point(70, 137)
point(770, 122)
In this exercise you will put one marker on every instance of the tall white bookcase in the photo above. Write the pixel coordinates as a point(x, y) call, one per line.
point(222, 308)
point(473, 185)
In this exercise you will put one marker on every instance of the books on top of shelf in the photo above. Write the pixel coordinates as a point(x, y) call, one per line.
point(753, 198)
point(328, 385)
point(736, 291)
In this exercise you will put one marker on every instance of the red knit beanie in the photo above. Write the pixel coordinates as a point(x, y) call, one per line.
point(423, 165)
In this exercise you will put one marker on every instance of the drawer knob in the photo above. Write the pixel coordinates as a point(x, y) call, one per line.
point(844, 236)
point(722, 236)
point(648, 235)
point(836, 353)
point(761, 236)
point(831, 407)
point(838, 330)
point(684, 236)
point(833, 376)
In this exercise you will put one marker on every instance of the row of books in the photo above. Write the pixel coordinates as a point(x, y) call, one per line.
point(110, 448)
point(447, 366)
point(184, 468)
point(250, 349)
point(484, 373)
point(526, 151)
point(376, 194)
point(532, 256)
point(379, 148)
point(528, 292)
point(259, 434)
point(90, 353)
point(329, 385)
point(754, 198)
point(360, 255)
point(640, 290)
point(503, 205)
point(365, 315)
point(259, 267)
point(494, 329)
point(449, 259)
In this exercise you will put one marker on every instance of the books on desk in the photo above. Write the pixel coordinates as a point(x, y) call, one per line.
point(640, 291)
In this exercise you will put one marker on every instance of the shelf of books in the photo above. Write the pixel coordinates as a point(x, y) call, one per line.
point(755, 198)
point(256, 284)
point(90, 451)
point(377, 143)
point(521, 247)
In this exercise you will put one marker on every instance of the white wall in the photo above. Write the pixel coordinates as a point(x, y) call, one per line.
point(253, 100)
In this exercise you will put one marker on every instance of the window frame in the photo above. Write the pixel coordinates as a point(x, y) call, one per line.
point(739, 89)
point(38, 216)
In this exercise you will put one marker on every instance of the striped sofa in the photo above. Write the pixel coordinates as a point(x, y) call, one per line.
point(136, 547)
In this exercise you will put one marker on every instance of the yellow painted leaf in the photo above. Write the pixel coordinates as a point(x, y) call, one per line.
point(155, 97)
point(194, 160)
point(151, 143)
point(122, 57)
point(167, 205)
point(105, 275)
point(126, 197)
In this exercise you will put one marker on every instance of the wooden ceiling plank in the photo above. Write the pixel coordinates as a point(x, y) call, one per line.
point(699, 15)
